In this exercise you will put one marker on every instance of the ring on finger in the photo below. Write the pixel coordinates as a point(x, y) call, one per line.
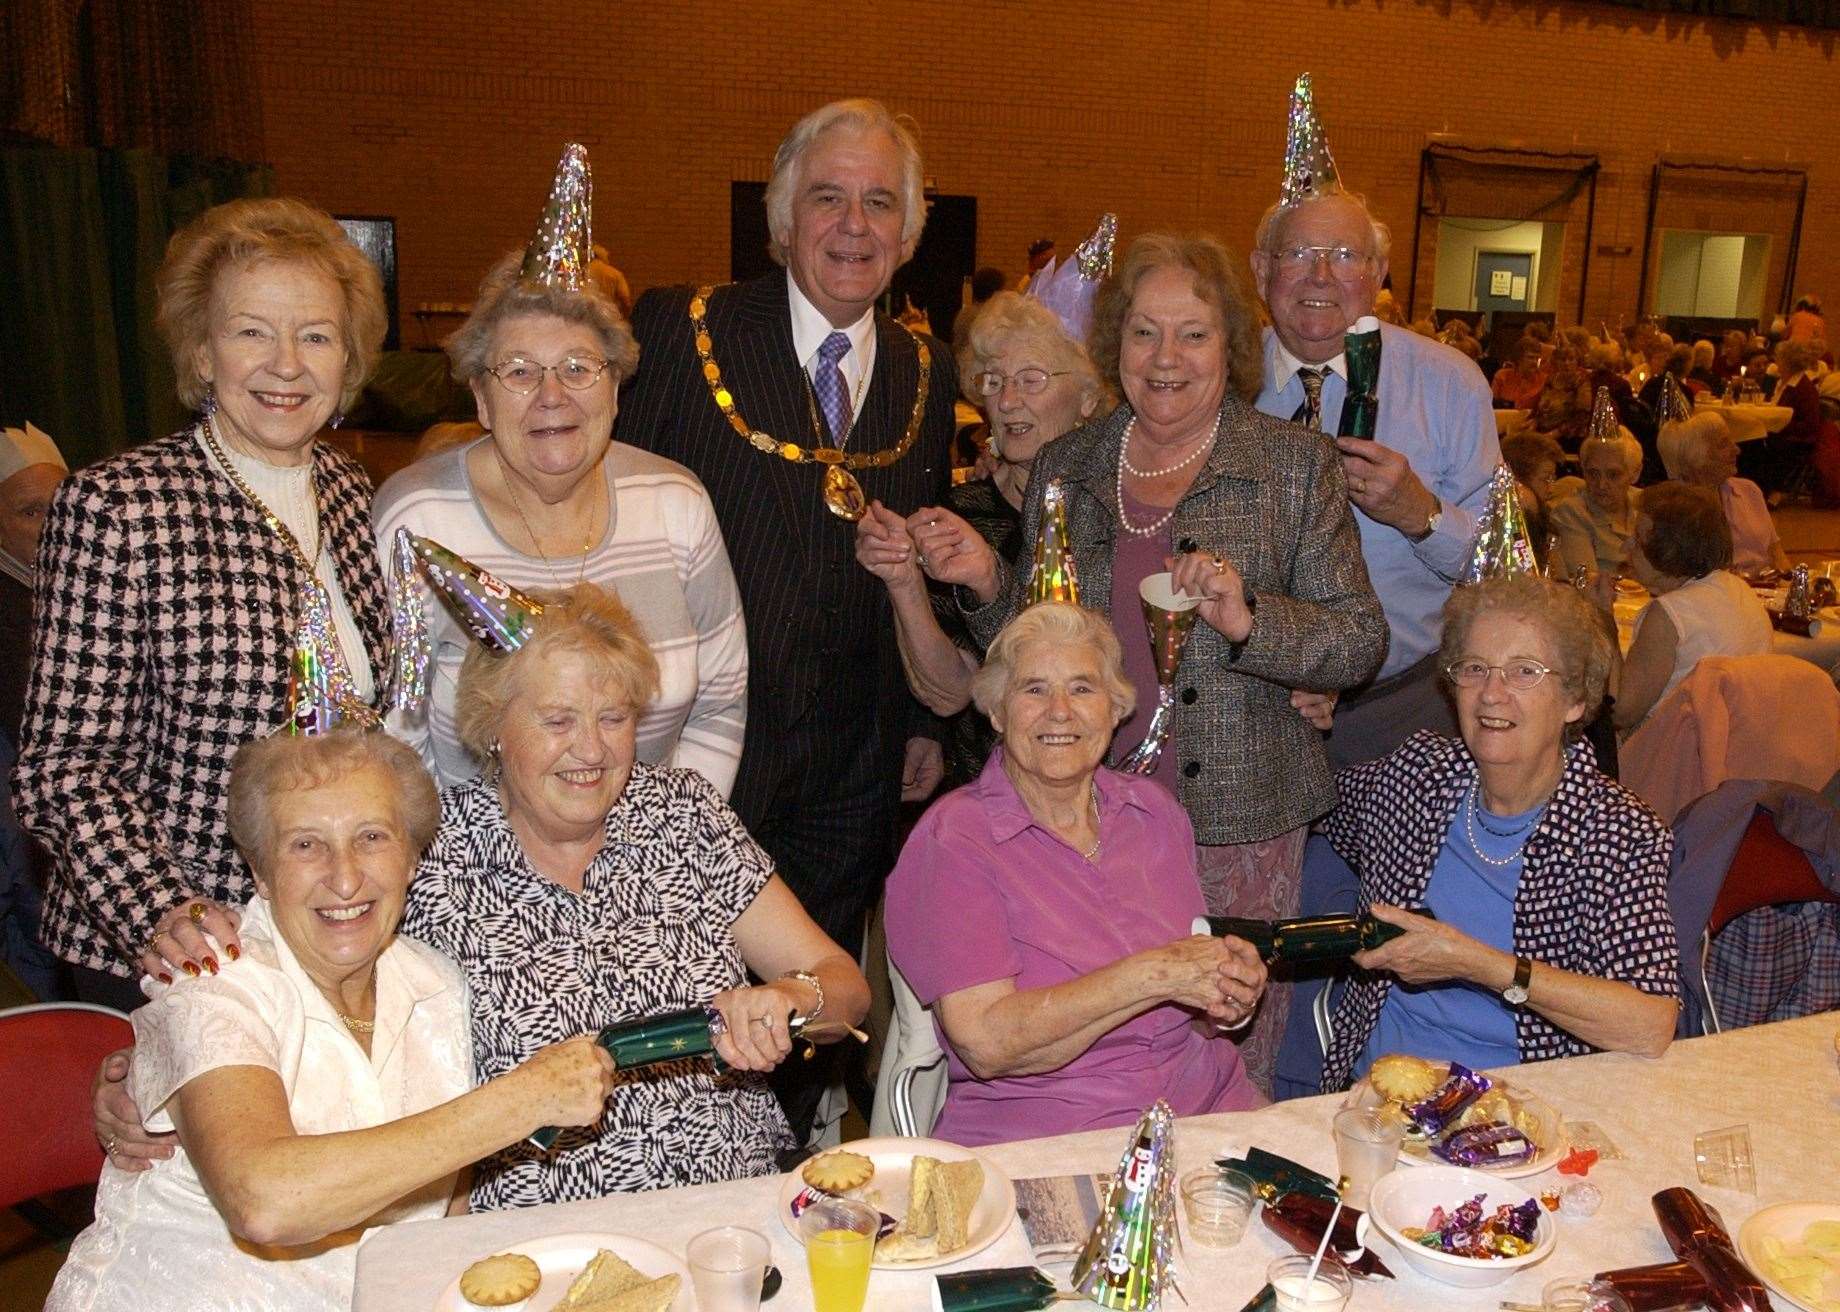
point(196, 912)
point(108, 1146)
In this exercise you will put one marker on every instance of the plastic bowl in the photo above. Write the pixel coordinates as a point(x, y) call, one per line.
point(1405, 1198)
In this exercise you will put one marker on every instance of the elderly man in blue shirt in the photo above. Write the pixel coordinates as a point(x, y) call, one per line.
point(1418, 486)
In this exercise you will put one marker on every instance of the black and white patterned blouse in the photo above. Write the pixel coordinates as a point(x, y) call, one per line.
point(165, 625)
point(651, 931)
point(1592, 896)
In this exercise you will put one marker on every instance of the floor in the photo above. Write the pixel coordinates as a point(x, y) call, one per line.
point(28, 1263)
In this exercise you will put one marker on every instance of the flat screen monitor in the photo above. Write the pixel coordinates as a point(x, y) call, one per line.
point(375, 235)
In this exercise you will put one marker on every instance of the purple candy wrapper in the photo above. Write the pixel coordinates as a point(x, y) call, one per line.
point(806, 1196)
point(1494, 1144)
point(1431, 1115)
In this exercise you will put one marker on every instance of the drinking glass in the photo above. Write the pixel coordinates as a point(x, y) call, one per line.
point(726, 1267)
point(1219, 1203)
point(1723, 1158)
point(1366, 1147)
point(839, 1235)
point(1581, 1296)
point(1289, 1281)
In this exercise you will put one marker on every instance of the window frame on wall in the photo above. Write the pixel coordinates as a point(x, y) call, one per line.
point(1795, 175)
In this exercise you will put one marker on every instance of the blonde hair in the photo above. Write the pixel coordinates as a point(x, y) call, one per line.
point(1010, 319)
point(1216, 283)
point(586, 619)
point(505, 295)
point(287, 763)
point(1063, 624)
point(859, 116)
point(243, 233)
point(1579, 642)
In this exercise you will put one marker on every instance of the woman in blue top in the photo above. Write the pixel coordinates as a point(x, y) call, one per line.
point(1548, 881)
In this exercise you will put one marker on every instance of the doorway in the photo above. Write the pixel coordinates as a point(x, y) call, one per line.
point(1504, 280)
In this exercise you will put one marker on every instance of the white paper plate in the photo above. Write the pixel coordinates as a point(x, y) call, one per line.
point(1551, 1133)
point(1786, 1222)
point(887, 1191)
point(561, 1258)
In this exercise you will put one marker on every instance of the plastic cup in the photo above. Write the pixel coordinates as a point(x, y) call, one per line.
point(726, 1267)
point(1366, 1147)
point(1296, 1292)
point(1219, 1203)
point(1581, 1296)
point(1723, 1158)
point(839, 1237)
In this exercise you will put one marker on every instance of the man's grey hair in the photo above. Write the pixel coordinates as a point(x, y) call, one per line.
point(856, 116)
point(1268, 224)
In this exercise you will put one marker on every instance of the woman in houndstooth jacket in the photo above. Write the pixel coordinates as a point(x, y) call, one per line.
point(172, 579)
point(1248, 512)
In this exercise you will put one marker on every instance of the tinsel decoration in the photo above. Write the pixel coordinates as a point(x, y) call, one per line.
point(1070, 289)
point(558, 255)
point(1501, 548)
point(1604, 419)
point(487, 607)
point(1052, 578)
point(1674, 403)
point(320, 691)
point(410, 645)
point(1309, 168)
point(1128, 1261)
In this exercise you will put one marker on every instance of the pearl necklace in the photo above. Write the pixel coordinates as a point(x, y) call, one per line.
point(1469, 824)
point(1124, 445)
point(1098, 842)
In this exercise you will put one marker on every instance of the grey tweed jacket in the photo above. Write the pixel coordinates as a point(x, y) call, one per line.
point(1271, 500)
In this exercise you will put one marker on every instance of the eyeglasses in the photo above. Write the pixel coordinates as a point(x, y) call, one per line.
point(1344, 261)
point(1030, 382)
point(576, 372)
point(1521, 675)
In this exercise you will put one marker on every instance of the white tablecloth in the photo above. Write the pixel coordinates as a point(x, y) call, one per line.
point(1780, 1079)
point(1749, 421)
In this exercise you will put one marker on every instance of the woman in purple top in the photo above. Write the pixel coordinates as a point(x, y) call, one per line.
point(1043, 913)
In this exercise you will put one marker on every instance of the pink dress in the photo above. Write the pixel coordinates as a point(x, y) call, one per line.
point(982, 892)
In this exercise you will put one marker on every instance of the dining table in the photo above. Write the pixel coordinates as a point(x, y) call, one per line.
point(1747, 420)
point(1780, 1080)
point(1821, 647)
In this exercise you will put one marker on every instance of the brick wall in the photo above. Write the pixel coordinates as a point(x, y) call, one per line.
point(449, 114)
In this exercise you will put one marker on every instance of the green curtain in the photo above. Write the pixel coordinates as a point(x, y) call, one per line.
point(82, 233)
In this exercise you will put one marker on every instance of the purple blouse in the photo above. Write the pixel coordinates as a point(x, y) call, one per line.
point(982, 892)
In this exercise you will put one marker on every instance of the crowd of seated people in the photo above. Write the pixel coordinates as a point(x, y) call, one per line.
point(725, 608)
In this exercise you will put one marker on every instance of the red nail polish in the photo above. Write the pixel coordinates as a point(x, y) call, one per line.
point(236, 953)
point(190, 968)
point(210, 964)
point(164, 978)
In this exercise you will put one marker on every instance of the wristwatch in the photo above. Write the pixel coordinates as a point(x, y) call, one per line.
point(1516, 993)
point(1431, 524)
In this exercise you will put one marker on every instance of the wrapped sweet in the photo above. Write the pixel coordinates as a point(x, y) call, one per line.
point(1430, 1116)
point(1467, 1231)
point(1494, 1144)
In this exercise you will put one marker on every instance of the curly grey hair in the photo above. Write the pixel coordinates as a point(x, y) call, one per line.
point(503, 295)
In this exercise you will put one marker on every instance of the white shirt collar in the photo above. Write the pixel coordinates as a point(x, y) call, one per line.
point(810, 328)
point(1287, 365)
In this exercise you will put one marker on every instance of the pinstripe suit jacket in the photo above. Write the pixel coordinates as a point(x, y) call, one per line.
point(820, 631)
point(164, 632)
point(1271, 500)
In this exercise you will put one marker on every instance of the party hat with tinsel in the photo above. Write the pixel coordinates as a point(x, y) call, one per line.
point(1674, 403)
point(320, 692)
point(1501, 548)
point(558, 255)
point(1309, 168)
point(1604, 419)
point(1052, 578)
point(1069, 289)
point(490, 609)
point(1128, 1261)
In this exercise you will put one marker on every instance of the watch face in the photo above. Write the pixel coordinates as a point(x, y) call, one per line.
point(1514, 994)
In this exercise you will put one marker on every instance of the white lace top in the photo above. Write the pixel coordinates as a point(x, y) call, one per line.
point(157, 1241)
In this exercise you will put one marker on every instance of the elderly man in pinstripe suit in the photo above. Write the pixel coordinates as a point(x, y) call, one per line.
point(795, 402)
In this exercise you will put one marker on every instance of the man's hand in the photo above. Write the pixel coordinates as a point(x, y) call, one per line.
point(1316, 707)
point(1381, 483)
point(923, 771)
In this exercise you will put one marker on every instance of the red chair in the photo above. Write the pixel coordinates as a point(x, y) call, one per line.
point(48, 1059)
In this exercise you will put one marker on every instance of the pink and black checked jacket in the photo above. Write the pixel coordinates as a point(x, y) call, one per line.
point(164, 625)
point(1593, 896)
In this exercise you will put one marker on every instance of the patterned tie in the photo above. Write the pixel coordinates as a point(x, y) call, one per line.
point(827, 382)
point(1310, 412)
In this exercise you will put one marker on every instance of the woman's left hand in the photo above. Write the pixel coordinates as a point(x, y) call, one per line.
point(1428, 952)
point(759, 1036)
point(1223, 591)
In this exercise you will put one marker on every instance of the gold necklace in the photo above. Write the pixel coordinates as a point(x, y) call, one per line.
point(355, 1025)
point(587, 542)
point(269, 517)
point(843, 495)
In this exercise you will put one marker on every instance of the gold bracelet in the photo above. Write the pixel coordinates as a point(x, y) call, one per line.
point(807, 977)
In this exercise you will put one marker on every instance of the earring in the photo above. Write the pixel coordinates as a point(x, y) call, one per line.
point(338, 418)
point(207, 404)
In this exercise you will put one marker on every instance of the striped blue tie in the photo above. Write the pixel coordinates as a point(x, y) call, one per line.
point(827, 382)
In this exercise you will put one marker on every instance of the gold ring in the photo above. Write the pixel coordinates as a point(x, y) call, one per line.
point(1220, 564)
point(108, 1147)
point(196, 912)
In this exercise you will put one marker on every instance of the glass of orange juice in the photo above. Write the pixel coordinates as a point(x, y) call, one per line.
point(839, 1235)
